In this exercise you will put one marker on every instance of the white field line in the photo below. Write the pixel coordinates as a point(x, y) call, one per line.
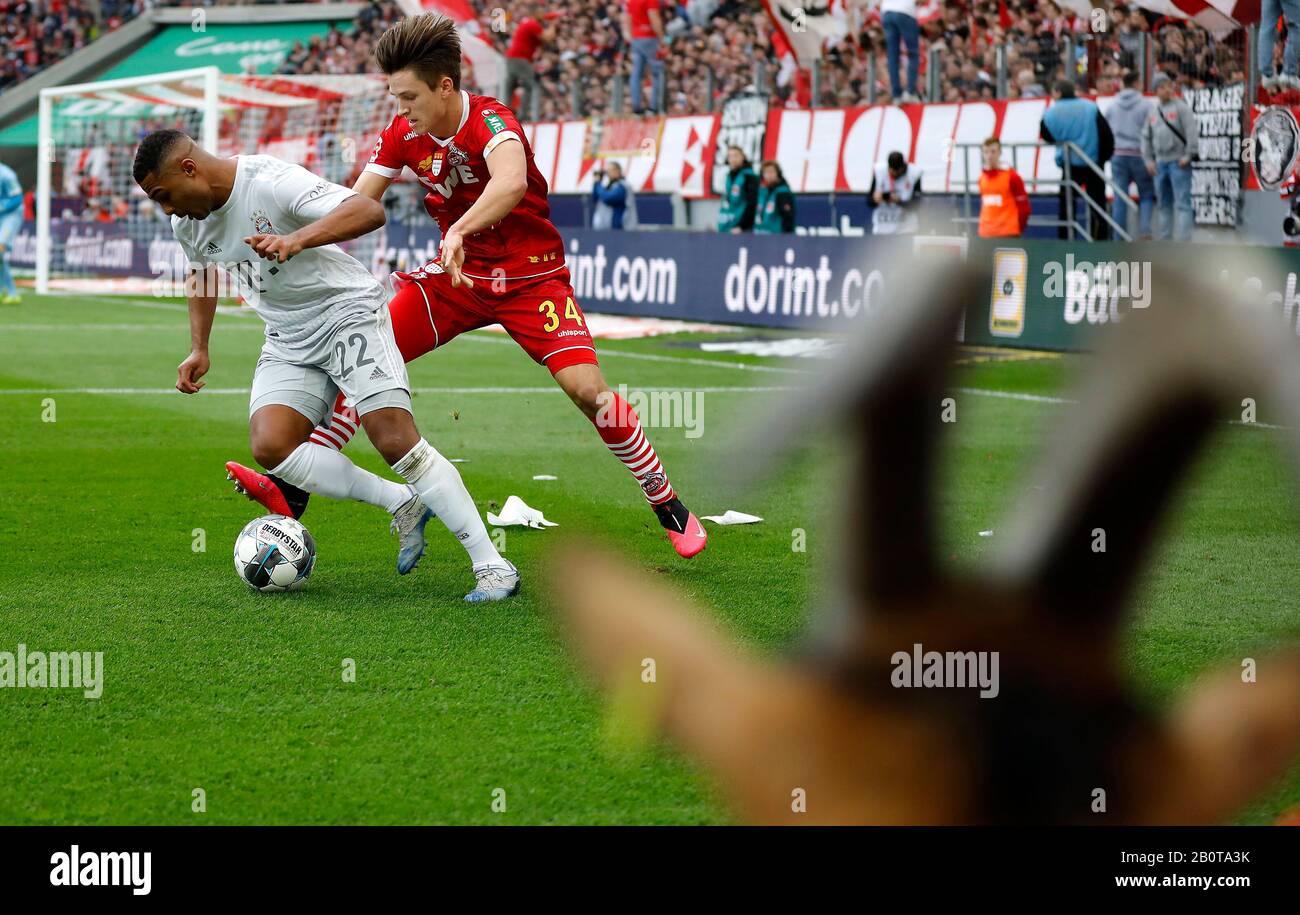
point(1042, 398)
point(478, 338)
point(604, 351)
point(547, 389)
point(169, 328)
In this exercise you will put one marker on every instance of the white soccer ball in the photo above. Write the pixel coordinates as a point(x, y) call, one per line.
point(274, 553)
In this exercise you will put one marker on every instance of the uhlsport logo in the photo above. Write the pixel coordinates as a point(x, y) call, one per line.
point(103, 868)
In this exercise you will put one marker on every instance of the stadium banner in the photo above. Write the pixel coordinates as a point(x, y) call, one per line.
point(104, 249)
point(678, 162)
point(820, 150)
point(632, 142)
point(233, 48)
point(743, 123)
point(1045, 294)
point(1283, 150)
point(834, 150)
point(241, 49)
point(1216, 171)
point(1054, 295)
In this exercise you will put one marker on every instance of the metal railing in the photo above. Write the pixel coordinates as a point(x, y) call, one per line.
point(970, 184)
point(1092, 61)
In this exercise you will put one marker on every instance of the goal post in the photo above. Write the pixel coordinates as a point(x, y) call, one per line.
point(98, 233)
point(97, 115)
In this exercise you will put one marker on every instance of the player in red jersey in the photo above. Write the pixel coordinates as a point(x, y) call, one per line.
point(501, 259)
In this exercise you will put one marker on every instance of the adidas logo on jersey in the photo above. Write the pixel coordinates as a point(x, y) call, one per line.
point(377, 374)
point(212, 248)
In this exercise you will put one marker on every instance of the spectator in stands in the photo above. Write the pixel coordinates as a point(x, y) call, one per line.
point(11, 220)
point(899, 20)
point(774, 212)
point(612, 199)
point(1270, 12)
point(1128, 116)
point(1028, 84)
point(644, 31)
point(36, 35)
point(1169, 141)
point(529, 35)
point(739, 194)
point(896, 194)
point(1004, 204)
point(1070, 119)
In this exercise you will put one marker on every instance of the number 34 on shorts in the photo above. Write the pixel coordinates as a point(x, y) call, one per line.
point(551, 318)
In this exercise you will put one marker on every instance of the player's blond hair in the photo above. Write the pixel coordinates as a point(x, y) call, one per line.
point(427, 44)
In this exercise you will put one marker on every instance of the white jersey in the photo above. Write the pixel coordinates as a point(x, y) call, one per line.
point(890, 218)
point(302, 300)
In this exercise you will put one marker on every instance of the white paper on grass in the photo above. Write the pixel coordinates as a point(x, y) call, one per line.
point(733, 517)
point(516, 512)
point(544, 476)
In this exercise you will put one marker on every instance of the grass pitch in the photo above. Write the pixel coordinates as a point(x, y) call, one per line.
point(210, 686)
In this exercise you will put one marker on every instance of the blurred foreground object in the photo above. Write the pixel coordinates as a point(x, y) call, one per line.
point(828, 738)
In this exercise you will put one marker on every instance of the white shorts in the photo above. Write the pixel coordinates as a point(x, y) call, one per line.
point(360, 358)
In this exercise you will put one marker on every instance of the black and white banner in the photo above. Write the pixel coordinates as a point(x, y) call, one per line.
point(1216, 172)
point(743, 124)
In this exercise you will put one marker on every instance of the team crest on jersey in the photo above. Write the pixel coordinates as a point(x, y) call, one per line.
point(456, 156)
point(261, 222)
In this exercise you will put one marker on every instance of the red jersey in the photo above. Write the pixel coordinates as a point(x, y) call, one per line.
point(638, 14)
point(524, 243)
point(523, 44)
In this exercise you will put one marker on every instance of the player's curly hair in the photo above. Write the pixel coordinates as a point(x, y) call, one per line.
point(428, 44)
point(152, 152)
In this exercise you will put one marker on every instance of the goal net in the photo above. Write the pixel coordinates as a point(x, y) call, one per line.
point(97, 232)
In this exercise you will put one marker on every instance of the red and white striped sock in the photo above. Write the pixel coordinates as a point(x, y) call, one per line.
point(620, 429)
point(341, 427)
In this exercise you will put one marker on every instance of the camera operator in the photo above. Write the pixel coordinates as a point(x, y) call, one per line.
point(615, 206)
point(896, 194)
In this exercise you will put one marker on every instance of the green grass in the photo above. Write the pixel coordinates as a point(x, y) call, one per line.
point(210, 686)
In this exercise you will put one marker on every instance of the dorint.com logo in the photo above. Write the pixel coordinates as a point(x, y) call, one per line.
point(103, 868)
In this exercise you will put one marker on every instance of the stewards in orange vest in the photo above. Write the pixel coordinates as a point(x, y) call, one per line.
point(1004, 205)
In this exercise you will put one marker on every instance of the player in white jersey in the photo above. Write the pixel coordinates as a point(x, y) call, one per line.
point(272, 227)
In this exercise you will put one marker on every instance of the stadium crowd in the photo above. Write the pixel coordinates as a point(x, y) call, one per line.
point(37, 33)
point(726, 38)
point(713, 48)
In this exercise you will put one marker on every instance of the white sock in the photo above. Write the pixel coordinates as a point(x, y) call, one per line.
point(323, 470)
point(440, 487)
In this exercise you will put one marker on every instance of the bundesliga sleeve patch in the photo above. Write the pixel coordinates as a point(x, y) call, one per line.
point(494, 123)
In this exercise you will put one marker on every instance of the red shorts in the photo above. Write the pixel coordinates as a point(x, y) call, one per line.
point(542, 316)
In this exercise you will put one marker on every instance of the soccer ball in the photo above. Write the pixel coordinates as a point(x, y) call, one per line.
point(274, 553)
